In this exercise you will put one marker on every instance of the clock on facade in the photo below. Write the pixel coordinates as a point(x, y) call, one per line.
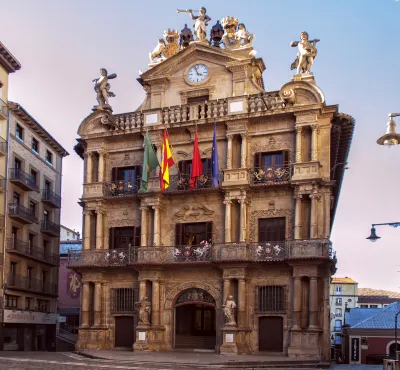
point(198, 73)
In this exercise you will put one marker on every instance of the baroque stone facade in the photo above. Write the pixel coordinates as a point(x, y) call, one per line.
point(261, 236)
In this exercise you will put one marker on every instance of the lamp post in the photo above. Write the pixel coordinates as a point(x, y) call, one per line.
point(373, 237)
point(391, 138)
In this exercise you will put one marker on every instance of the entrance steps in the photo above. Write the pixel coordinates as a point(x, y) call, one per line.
point(194, 342)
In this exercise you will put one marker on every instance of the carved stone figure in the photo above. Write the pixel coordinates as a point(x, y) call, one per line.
point(172, 47)
point(229, 39)
point(244, 37)
point(102, 87)
point(156, 54)
point(200, 26)
point(144, 310)
point(306, 54)
point(229, 310)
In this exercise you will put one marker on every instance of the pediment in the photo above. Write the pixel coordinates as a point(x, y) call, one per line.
point(98, 122)
point(301, 93)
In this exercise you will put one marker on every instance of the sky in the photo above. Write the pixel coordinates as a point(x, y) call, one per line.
point(61, 45)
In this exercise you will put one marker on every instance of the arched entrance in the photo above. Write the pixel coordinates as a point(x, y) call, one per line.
point(195, 320)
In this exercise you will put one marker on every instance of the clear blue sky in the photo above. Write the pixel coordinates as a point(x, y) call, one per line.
point(62, 44)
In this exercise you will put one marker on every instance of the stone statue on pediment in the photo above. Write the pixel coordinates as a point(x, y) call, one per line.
point(306, 54)
point(200, 26)
point(156, 55)
point(102, 87)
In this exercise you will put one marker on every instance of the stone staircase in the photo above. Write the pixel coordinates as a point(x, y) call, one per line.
point(194, 342)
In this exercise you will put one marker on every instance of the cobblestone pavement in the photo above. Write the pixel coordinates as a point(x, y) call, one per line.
point(71, 361)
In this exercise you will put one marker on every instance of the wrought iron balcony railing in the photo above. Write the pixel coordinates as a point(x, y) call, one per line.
point(26, 249)
point(23, 179)
point(24, 214)
point(122, 188)
point(270, 175)
point(24, 283)
point(50, 228)
point(51, 198)
point(182, 181)
point(206, 252)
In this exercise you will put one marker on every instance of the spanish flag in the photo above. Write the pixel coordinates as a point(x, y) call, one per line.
point(166, 162)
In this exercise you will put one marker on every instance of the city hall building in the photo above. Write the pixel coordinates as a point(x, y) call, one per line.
point(261, 235)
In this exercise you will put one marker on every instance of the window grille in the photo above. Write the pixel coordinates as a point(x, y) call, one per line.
point(123, 300)
point(270, 298)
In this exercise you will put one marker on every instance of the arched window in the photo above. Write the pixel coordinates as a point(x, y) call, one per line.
point(392, 349)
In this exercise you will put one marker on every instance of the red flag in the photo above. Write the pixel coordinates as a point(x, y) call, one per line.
point(197, 167)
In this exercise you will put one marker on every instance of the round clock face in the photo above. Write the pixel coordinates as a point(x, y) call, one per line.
point(198, 73)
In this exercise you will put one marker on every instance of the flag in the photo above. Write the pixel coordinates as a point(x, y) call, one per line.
point(166, 162)
point(197, 167)
point(150, 161)
point(214, 159)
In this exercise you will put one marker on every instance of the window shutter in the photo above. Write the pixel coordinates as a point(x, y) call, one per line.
point(257, 160)
point(111, 238)
point(138, 172)
point(209, 231)
point(114, 172)
point(178, 234)
point(285, 154)
point(137, 239)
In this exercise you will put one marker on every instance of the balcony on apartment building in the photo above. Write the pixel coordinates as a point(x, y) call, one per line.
point(50, 228)
point(204, 253)
point(19, 282)
point(50, 198)
point(22, 179)
point(21, 213)
point(3, 147)
point(26, 249)
point(3, 110)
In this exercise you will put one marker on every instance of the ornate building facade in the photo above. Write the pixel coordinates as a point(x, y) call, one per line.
point(243, 267)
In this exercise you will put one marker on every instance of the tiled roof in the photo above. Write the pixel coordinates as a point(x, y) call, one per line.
point(356, 315)
point(381, 320)
point(64, 247)
point(345, 280)
point(368, 292)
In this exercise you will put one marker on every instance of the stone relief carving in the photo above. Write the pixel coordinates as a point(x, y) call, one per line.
point(193, 213)
point(115, 222)
point(195, 295)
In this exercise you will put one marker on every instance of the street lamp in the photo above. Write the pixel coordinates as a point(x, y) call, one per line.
point(373, 237)
point(391, 137)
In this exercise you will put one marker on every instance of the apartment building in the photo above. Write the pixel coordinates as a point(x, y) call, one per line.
point(32, 234)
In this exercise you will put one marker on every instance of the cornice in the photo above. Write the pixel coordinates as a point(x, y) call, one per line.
point(7, 60)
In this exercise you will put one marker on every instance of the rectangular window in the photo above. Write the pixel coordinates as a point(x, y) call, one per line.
point(363, 306)
point(49, 157)
point(338, 290)
point(28, 303)
point(17, 164)
point(271, 229)
point(19, 132)
point(124, 237)
point(338, 312)
point(11, 301)
point(373, 306)
point(338, 339)
point(46, 217)
point(338, 325)
point(338, 301)
point(16, 198)
point(31, 242)
point(193, 233)
point(123, 300)
point(30, 272)
point(198, 99)
point(45, 247)
point(270, 298)
point(35, 145)
point(203, 181)
point(271, 167)
point(47, 185)
point(34, 177)
point(32, 208)
point(43, 305)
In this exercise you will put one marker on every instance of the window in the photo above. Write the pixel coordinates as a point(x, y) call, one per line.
point(44, 280)
point(49, 157)
point(13, 268)
point(363, 306)
point(123, 300)
point(203, 181)
point(270, 298)
point(16, 198)
point(271, 229)
point(185, 167)
point(35, 145)
point(123, 237)
point(338, 339)
point(338, 312)
point(373, 306)
point(19, 132)
point(68, 233)
point(17, 164)
point(271, 167)
point(28, 303)
point(31, 242)
point(34, 177)
point(30, 272)
point(45, 247)
point(11, 301)
point(193, 233)
point(32, 208)
point(47, 185)
point(198, 99)
point(338, 301)
point(43, 305)
point(338, 289)
point(338, 325)
point(126, 173)
point(46, 217)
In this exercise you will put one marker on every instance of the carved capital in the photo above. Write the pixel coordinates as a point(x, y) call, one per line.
point(87, 212)
point(299, 129)
point(314, 127)
point(229, 137)
point(102, 152)
point(227, 201)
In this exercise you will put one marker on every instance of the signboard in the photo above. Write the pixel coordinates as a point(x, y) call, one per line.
point(62, 319)
point(355, 350)
point(26, 317)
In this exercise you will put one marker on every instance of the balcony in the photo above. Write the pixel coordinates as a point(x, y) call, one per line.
point(21, 213)
point(2, 184)
point(3, 110)
point(3, 147)
point(181, 182)
point(22, 179)
point(270, 175)
point(206, 252)
point(33, 285)
point(51, 198)
point(122, 188)
point(49, 228)
point(22, 248)
point(94, 190)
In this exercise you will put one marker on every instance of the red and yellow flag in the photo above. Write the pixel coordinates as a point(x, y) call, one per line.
point(166, 162)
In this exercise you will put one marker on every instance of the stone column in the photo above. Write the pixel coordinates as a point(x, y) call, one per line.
point(102, 154)
point(314, 143)
point(228, 222)
point(97, 304)
point(144, 226)
point(297, 217)
point(241, 302)
point(89, 167)
point(313, 305)
point(229, 152)
point(244, 151)
point(85, 305)
point(227, 288)
point(297, 303)
point(243, 219)
point(299, 156)
point(86, 231)
point(157, 230)
point(106, 301)
point(155, 315)
point(99, 229)
point(314, 215)
point(142, 289)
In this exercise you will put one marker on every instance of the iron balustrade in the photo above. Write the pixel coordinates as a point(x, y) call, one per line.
point(270, 175)
point(122, 188)
point(123, 300)
point(205, 252)
point(51, 197)
point(24, 283)
point(181, 181)
point(16, 174)
point(27, 249)
point(16, 209)
point(50, 227)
